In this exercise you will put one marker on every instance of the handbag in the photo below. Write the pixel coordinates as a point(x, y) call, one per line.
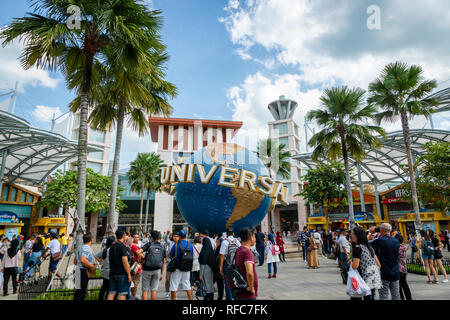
point(201, 291)
point(309, 249)
point(275, 249)
point(437, 254)
point(172, 266)
point(56, 256)
point(356, 286)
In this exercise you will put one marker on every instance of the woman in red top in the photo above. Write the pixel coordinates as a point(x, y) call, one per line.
point(279, 241)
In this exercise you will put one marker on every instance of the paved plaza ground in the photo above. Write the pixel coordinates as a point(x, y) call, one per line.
point(295, 282)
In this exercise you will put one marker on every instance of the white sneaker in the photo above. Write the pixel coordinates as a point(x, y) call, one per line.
point(168, 296)
point(445, 280)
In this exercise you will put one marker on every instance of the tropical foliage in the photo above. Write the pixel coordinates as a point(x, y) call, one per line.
point(144, 174)
point(345, 132)
point(62, 192)
point(433, 169)
point(106, 31)
point(401, 91)
point(275, 157)
point(326, 186)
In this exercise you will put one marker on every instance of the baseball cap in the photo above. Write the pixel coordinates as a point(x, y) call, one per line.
point(182, 233)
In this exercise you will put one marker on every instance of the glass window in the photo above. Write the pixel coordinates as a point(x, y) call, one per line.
point(96, 136)
point(30, 198)
point(5, 192)
point(283, 111)
point(97, 167)
point(284, 141)
point(96, 155)
point(23, 197)
point(13, 195)
point(280, 128)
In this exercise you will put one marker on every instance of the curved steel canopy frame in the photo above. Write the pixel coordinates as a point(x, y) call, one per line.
point(32, 154)
point(383, 165)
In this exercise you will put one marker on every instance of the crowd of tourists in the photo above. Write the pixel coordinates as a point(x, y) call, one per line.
point(379, 255)
point(199, 266)
point(203, 265)
point(36, 249)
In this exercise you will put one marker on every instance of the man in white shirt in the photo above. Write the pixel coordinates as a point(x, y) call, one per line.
point(54, 247)
point(226, 255)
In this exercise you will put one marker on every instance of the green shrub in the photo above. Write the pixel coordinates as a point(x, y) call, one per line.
point(419, 269)
point(67, 294)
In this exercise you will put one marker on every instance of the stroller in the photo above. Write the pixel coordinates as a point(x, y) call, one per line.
point(31, 269)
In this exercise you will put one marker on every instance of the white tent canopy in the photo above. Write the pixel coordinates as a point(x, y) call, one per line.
point(384, 165)
point(29, 153)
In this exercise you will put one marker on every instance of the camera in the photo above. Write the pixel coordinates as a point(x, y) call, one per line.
point(377, 229)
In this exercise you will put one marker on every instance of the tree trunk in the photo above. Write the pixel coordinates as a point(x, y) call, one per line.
point(348, 185)
point(113, 215)
point(146, 210)
point(407, 140)
point(82, 150)
point(142, 203)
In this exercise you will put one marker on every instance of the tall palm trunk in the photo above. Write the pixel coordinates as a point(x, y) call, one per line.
point(142, 202)
point(146, 209)
point(348, 185)
point(407, 140)
point(82, 151)
point(113, 215)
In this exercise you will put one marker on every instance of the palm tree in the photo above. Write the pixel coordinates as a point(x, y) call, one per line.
point(400, 91)
point(277, 160)
point(153, 182)
point(141, 176)
point(49, 42)
point(343, 135)
point(134, 91)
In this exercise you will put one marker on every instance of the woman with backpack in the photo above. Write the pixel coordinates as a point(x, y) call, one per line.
point(103, 258)
point(272, 255)
point(428, 255)
point(437, 261)
point(207, 261)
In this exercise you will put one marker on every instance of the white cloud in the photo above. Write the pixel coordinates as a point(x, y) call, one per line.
point(327, 43)
point(45, 114)
point(11, 70)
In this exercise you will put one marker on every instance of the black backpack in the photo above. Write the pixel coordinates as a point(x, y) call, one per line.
point(307, 242)
point(234, 278)
point(155, 256)
point(186, 260)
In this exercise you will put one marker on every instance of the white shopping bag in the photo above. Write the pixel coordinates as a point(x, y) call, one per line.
point(356, 286)
point(1, 279)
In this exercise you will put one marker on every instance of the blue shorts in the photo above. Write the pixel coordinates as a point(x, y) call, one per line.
point(119, 284)
point(52, 266)
point(427, 256)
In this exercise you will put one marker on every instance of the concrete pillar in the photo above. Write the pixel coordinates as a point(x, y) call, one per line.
point(377, 199)
point(361, 191)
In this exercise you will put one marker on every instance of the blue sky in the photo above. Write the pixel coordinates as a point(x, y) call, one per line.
point(229, 59)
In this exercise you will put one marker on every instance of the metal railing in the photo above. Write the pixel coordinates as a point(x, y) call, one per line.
point(59, 289)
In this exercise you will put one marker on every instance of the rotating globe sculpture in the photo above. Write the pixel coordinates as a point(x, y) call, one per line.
point(214, 207)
